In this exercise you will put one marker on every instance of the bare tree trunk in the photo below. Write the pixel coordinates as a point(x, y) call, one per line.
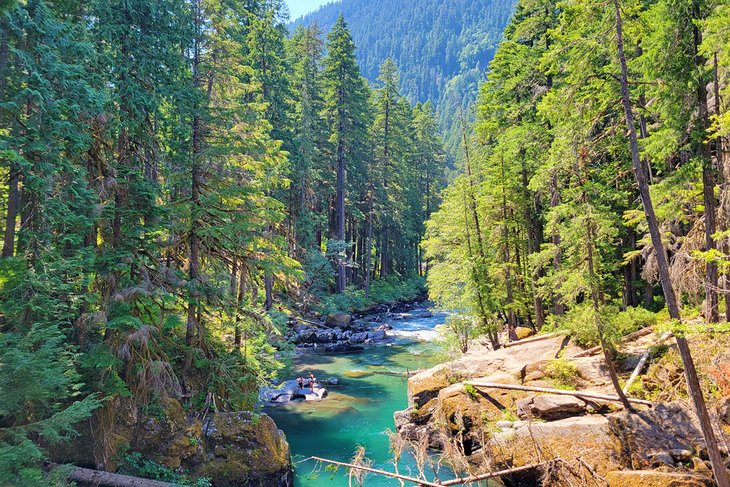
point(693, 383)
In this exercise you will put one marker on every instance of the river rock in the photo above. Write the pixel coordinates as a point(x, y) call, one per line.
point(359, 337)
point(550, 407)
point(632, 478)
point(341, 320)
point(377, 335)
point(244, 448)
point(325, 337)
point(420, 314)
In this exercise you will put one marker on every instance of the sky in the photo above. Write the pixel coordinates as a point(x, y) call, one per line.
point(297, 8)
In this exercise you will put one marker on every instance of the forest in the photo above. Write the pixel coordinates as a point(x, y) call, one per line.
point(176, 176)
point(182, 182)
point(442, 49)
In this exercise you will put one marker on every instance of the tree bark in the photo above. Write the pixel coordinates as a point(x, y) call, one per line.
point(195, 186)
point(670, 296)
point(13, 208)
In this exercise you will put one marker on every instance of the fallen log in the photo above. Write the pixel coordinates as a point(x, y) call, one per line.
point(491, 475)
point(588, 395)
point(629, 337)
point(377, 471)
point(99, 478)
point(531, 339)
point(310, 322)
point(644, 358)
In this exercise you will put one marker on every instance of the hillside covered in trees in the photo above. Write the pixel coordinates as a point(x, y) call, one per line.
point(442, 48)
point(594, 191)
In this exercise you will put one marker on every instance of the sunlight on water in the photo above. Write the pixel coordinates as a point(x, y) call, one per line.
point(360, 409)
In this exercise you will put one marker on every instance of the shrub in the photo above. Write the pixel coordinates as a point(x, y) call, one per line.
point(563, 372)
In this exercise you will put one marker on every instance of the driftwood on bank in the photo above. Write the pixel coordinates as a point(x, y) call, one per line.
point(108, 479)
point(587, 394)
point(629, 337)
point(644, 358)
point(426, 483)
point(491, 475)
point(531, 339)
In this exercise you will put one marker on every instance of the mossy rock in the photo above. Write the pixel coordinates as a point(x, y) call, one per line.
point(244, 448)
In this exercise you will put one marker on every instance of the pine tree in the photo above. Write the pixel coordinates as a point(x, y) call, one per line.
point(346, 109)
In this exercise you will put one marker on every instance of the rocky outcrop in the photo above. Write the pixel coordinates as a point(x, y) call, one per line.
point(586, 437)
point(244, 449)
point(236, 448)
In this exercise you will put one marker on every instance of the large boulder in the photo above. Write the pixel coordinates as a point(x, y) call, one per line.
point(245, 448)
point(550, 407)
point(338, 320)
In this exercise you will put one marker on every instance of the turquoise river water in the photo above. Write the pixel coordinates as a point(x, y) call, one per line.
point(358, 410)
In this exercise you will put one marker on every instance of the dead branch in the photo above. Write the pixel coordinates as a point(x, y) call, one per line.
point(477, 478)
point(627, 338)
point(642, 361)
point(589, 395)
point(377, 471)
point(531, 339)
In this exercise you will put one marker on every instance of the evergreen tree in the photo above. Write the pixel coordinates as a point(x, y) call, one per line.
point(346, 109)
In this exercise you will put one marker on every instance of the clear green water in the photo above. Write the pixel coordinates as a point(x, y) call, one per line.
point(360, 409)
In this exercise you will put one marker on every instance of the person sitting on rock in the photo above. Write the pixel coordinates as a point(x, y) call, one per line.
point(300, 382)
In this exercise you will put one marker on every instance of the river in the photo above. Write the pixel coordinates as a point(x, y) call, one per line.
point(358, 410)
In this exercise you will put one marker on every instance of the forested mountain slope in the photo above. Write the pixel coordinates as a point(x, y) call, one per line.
point(441, 47)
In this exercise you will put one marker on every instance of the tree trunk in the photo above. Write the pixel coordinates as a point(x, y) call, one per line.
point(13, 208)
point(670, 296)
point(340, 196)
point(195, 187)
point(555, 238)
point(369, 245)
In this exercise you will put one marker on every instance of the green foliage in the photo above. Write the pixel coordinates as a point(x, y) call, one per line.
point(136, 465)
point(579, 323)
point(471, 391)
point(563, 371)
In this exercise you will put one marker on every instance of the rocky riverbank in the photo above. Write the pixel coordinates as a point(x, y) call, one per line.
point(229, 448)
point(345, 333)
point(586, 441)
